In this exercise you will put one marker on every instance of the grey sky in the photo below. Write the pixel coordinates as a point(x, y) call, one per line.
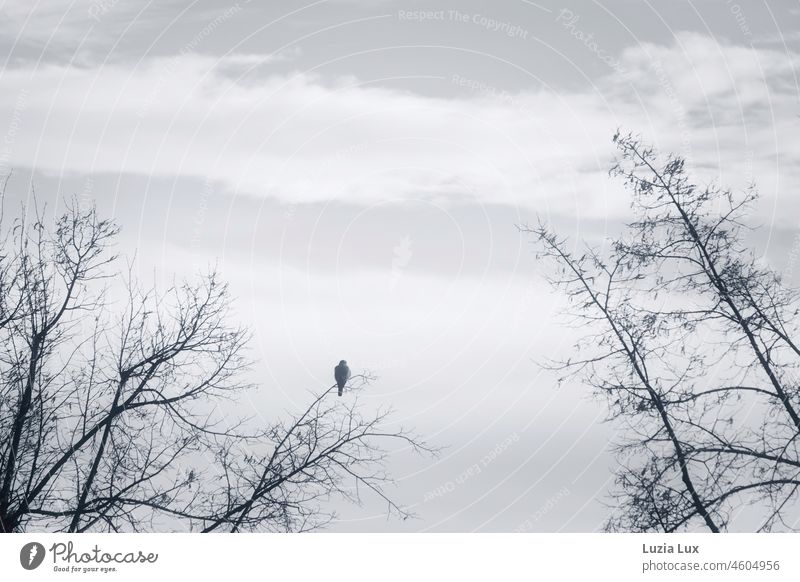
point(357, 172)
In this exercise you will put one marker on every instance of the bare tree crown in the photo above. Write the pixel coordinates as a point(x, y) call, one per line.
point(692, 343)
point(109, 410)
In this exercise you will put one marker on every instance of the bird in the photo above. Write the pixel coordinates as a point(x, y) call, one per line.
point(342, 375)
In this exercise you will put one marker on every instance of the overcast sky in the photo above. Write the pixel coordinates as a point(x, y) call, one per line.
point(356, 168)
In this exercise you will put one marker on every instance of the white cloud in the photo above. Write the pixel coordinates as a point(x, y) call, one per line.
point(453, 348)
point(300, 139)
point(74, 25)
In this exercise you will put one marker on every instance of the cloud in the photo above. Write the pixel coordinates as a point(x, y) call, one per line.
point(436, 295)
point(304, 138)
point(71, 29)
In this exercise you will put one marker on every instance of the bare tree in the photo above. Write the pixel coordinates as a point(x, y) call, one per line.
point(115, 411)
point(693, 346)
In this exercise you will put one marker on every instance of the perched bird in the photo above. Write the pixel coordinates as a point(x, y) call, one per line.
point(342, 375)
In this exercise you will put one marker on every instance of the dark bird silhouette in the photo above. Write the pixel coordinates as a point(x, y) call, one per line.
point(342, 375)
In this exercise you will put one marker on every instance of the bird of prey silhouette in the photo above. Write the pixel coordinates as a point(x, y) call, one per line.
point(342, 375)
